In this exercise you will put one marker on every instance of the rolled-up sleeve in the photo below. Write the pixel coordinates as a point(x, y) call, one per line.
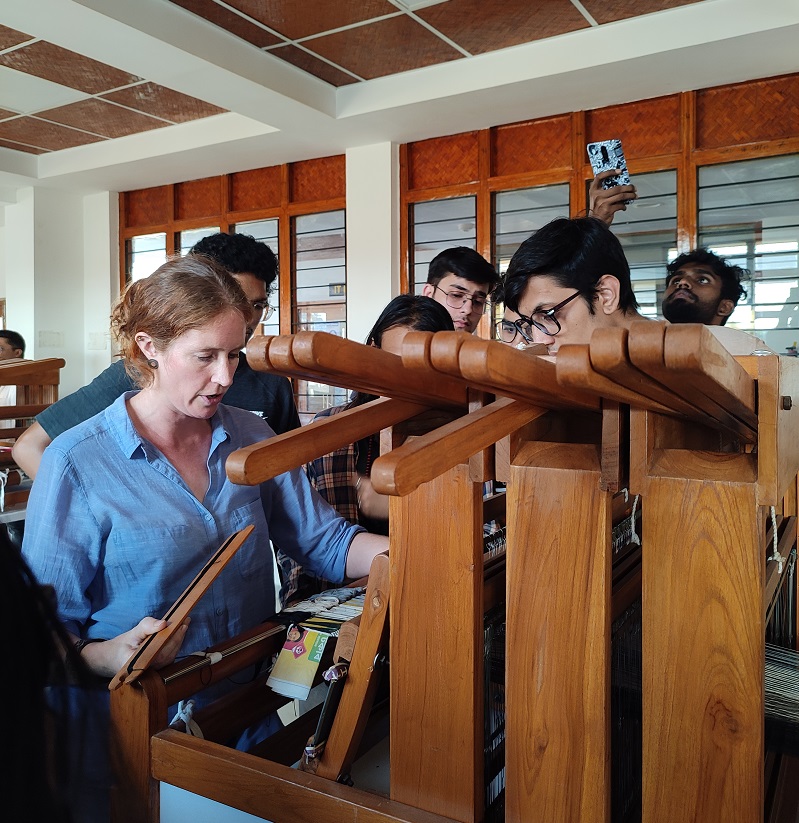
point(306, 527)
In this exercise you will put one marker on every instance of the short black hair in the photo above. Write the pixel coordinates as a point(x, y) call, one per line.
point(15, 339)
point(730, 275)
point(576, 253)
point(240, 254)
point(462, 262)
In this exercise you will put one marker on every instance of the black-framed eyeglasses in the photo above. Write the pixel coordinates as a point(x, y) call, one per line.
point(456, 299)
point(265, 311)
point(508, 331)
point(544, 321)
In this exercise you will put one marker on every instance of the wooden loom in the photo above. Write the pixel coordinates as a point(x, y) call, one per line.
point(710, 445)
point(37, 384)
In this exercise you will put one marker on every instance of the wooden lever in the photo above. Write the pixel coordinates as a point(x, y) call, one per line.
point(180, 609)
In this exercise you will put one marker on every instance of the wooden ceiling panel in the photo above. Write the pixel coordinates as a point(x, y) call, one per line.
point(481, 27)
point(103, 118)
point(607, 11)
point(43, 135)
point(295, 19)
point(230, 21)
point(12, 37)
point(341, 43)
point(7, 144)
point(313, 65)
point(159, 101)
point(66, 68)
point(387, 47)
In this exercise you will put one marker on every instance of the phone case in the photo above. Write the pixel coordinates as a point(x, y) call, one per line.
point(608, 154)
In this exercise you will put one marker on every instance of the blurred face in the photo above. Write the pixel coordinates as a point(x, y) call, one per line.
point(196, 369)
point(7, 351)
point(464, 300)
point(693, 295)
point(255, 290)
point(576, 321)
point(508, 333)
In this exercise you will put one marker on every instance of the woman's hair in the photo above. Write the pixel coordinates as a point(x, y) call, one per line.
point(39, 655)
point(414, 311)
point(182, 294)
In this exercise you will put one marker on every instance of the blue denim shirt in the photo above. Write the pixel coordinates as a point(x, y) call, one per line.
point(114, 529)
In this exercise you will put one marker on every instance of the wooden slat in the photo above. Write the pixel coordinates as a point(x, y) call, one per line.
point(362, 678)
point(574, 370)
point(135, 713)
point(379, 369)
point(346, 363)
point(610, 357)
point(691, 348)
point(180, 610)
point(435, 652)
point(262, 461)
point(268, 790)
point(45, 371)
point(703, 721)
point(423, 458)
point(647, 352)
point(492, 367)
point(557, 689)
point(778, 423)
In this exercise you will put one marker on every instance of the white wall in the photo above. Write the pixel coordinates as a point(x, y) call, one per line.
point(100, 278)
point(60, 259)
point(373, 263)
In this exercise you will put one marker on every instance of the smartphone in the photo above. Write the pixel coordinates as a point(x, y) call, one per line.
point(608, 154)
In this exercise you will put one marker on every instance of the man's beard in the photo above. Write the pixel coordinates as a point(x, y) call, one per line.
point(687, 311)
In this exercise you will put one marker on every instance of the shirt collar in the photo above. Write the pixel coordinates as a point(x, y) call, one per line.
point(131, 441)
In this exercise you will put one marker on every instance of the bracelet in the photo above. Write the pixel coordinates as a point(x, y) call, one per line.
point(83, 642)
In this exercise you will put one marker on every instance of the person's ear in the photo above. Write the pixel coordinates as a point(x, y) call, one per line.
point(18, 353)
point(725, 307)
point(429, 290)
point(146, 345)
point(608, 290)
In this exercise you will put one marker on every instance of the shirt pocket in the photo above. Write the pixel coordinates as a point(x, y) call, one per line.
point(254, 558)
point(152, 565)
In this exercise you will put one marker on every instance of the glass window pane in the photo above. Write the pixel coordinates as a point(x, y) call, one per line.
point(439, 225)
point(517, 214)
point(189, 238)
point(749, 213)
point(145, 254)
point(267, 232)
point(320, 277)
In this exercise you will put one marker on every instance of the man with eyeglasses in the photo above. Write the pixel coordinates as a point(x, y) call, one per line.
point(254, 266)
point(567, 279)
point(461, 280)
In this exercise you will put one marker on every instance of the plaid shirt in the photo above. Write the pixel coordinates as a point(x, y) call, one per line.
point(333, 476)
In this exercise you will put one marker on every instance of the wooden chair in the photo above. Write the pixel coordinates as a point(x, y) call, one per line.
point(36, 383)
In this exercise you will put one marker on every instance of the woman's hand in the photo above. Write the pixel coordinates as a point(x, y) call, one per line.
point(107, 657)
